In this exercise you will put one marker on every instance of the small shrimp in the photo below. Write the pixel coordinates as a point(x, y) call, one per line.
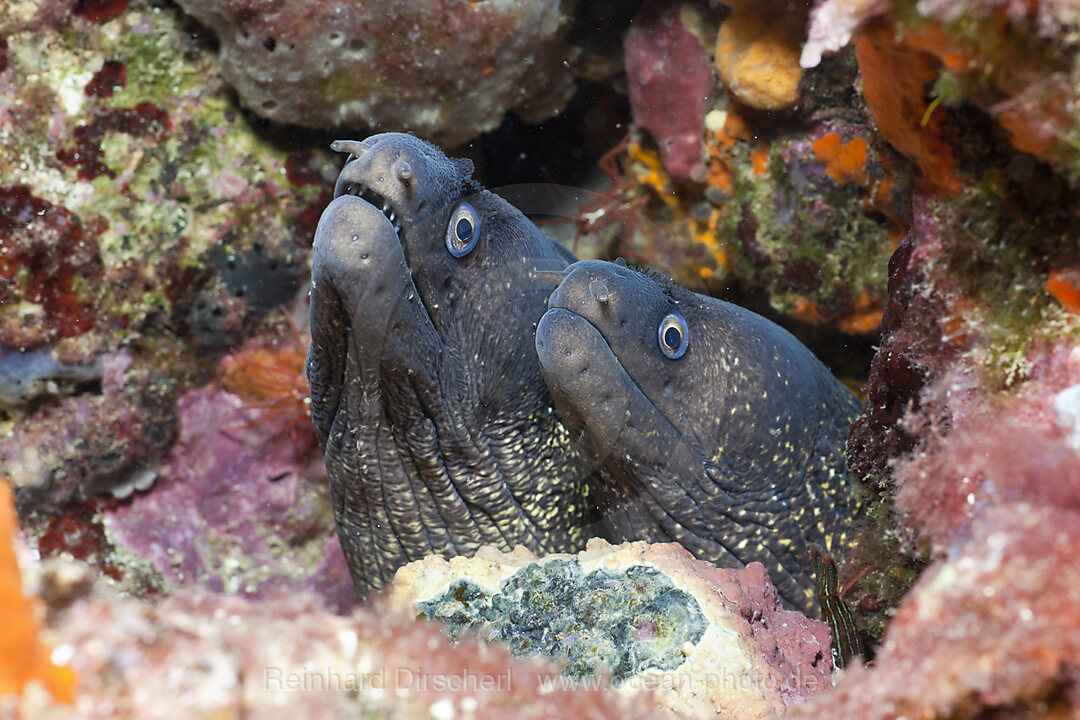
point(835, 611)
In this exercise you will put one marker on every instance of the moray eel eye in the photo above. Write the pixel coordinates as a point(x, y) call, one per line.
point(673, 335)
point(463, 230)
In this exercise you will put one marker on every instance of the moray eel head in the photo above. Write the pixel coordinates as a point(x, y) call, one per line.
point(401, 175)
point(613, 334)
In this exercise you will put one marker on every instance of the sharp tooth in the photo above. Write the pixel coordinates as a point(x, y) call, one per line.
point(392, 216)
point(385, 207)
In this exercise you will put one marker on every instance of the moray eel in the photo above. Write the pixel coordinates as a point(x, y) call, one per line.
point(438, 431)
point(711, 425)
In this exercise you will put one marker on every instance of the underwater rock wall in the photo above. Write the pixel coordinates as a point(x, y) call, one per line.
point(898, 174)
point(445, 70)
point(971, 412)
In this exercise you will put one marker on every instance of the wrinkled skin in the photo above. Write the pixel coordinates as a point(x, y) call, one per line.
point(438, 431)
point(735, 449)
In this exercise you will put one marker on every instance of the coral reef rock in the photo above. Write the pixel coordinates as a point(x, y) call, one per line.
point(788, 198)
point(969, 429)
point(119, 204)
point(447, 71)
point(991, 632)
point(1015, 61)
point(199, 655)
point(90, 443)
point(708, 642)
point(246, 510)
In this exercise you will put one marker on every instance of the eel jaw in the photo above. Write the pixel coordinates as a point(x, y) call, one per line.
point(373, 198)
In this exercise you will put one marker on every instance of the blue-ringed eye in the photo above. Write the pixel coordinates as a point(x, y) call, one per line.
point(463, 230)
point(674, 335)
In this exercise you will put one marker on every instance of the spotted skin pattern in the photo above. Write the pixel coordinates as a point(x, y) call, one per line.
point(735, 448)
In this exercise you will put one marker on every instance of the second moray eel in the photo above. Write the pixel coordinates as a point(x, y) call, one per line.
point(711, 425)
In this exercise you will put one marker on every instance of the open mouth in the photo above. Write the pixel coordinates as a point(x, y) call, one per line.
point(373, 198)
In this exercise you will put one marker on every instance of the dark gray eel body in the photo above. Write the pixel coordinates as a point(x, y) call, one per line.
point(426, 395)
point(711, 425)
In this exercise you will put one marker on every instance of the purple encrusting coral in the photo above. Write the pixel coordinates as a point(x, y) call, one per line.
point(670, 83)
point(237, 507)
point(994, 626)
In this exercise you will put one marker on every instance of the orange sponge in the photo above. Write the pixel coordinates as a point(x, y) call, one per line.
point(757, 55)
point(22, 656)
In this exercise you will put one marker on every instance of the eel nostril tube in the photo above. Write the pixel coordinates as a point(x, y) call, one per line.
point(356, 148)
point(403, 170)
point(599, 291)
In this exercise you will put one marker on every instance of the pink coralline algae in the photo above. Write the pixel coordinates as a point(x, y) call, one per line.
point(445, 70)
point(991, 632)
point(987, 478)
point(236, 507)
point(199, 655)
point(670, 84)
point(1002, 451)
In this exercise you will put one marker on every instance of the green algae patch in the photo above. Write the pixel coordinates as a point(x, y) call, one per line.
point(627, 621)
point(807, 240)
point(999, 260)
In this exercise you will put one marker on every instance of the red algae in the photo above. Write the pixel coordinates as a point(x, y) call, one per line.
point(273, 379)
point(144, 120)
point(111, 77)
point(301, 169)
point(78, 532)
point(999, 451)
point(57, 253)
point(670, 83)
point(100, 10)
